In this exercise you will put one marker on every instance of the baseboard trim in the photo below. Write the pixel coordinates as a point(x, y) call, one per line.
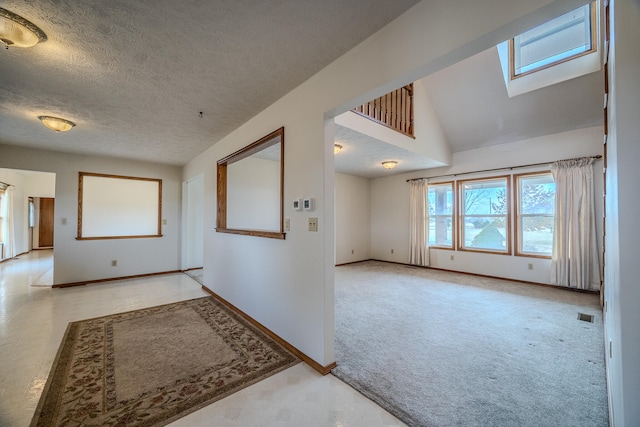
point(583, 291)
point(324, 370)
point(112, 279)
point(353, 262)
point(192, 268)
point(13, 257)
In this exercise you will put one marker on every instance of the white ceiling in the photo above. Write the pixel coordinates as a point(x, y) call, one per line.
point(134, 76)
point(362, 155)
point(474, 110)
point(472, 106)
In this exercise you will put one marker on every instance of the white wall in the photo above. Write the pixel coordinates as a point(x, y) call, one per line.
point(622, 269)
point(28, 184)
point(253, 201)
point(288, 285)
point(390, 202)
point(353, 218)
point(75, 260)
point(41, 185)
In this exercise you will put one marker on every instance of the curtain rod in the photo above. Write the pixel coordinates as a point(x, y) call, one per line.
point(502, 169)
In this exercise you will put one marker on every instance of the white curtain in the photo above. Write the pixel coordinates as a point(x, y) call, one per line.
point(575, 261)
point(419, 252)
point(10, 240)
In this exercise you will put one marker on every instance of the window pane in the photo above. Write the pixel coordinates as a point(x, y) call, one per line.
point(563, 37)
point(537, 235)
point(484, 197)
point(536, 200)
point(484, 214)
point(537, 194)
point(485, 233)
point(440, 200)
point(440, 231)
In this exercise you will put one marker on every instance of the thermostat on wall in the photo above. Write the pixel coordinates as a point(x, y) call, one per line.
point(308, 204)
point(297, 204)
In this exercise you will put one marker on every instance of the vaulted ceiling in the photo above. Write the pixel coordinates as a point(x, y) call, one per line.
point(134, 76)
point(473, 109)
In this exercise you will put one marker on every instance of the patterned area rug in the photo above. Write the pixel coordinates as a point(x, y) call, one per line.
point(149, 367)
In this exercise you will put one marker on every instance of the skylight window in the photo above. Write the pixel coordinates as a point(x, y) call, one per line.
point(563, 38)
point(559, 50)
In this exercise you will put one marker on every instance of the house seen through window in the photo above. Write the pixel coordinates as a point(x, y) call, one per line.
point(484, 214)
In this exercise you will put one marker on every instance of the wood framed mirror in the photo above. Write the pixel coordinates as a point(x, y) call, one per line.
point(250, 189)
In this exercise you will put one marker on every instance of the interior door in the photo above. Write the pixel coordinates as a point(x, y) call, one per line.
point(45, 235)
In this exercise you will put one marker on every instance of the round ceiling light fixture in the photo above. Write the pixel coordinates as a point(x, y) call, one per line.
point(56, 123)
point(15, 31)
point(389, 164)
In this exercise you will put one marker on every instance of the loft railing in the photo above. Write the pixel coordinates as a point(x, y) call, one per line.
point(394, 110)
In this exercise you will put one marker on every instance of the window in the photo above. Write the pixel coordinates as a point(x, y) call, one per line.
point(118, 207)
point(2, 216)
point(32, 213)
point(561, 39)
point(484, 215)
point(535, 199)
point(440, 203)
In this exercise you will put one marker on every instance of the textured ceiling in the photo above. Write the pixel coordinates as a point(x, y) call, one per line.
point(133, 75)
point(362, 155)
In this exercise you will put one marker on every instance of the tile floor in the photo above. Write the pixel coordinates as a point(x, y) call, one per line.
point(33, 319)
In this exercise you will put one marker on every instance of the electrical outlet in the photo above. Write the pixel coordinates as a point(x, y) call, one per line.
point(114, 263)
point(164, 222)
point(63, 221)
point(391, 250)
point(451, 257)
point(313, 224)
point(353, 251)
point(530, 266)
point(287, 224)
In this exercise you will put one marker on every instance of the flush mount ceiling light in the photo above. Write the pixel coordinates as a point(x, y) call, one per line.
point(57, 124)
point(15, 31)
point(389, 164)
point(336, 148)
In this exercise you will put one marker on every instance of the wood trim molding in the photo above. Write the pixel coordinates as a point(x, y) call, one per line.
point(460, 222)
point(517, 215)
point(257, 233)
point(594, 48)
point(119, 237)
point(112, 279)
point(323, 370)
point(222, 188)
point(81, 176)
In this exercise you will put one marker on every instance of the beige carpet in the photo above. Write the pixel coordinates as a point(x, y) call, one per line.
point(442, 349)
point(149, 367)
